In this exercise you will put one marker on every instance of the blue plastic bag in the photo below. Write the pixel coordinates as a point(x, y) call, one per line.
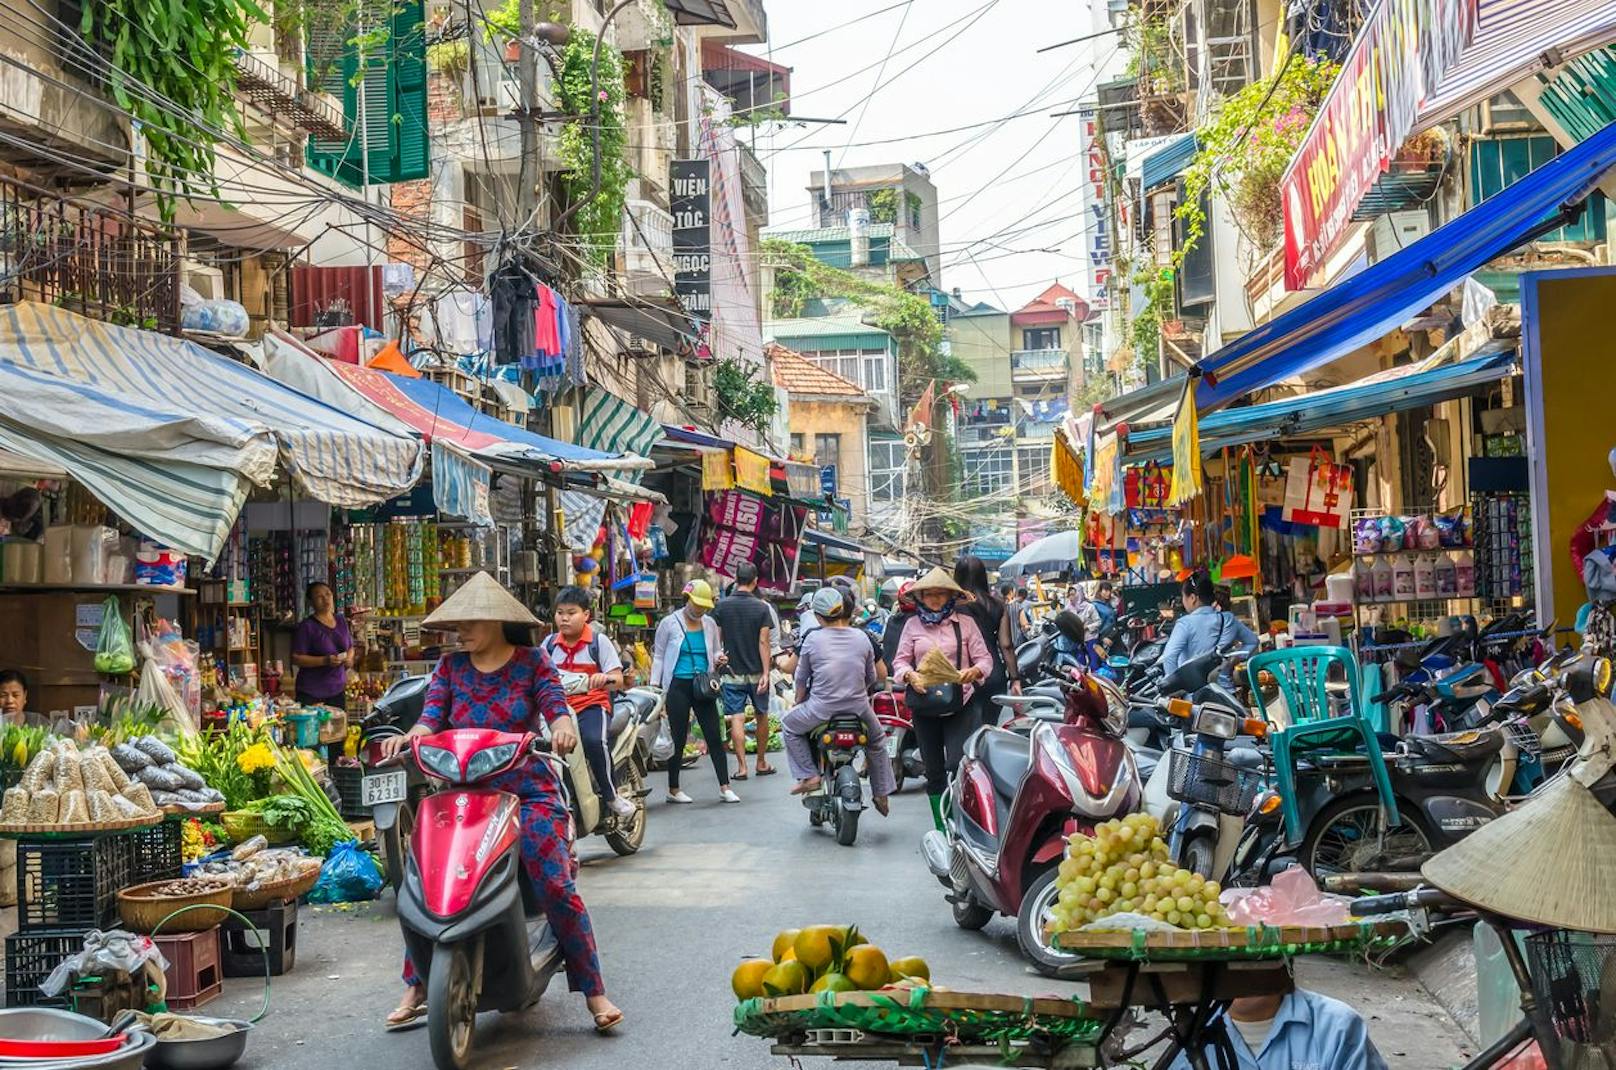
point(350, 875)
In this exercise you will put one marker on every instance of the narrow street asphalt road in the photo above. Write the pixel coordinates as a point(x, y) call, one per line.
point(712, 885)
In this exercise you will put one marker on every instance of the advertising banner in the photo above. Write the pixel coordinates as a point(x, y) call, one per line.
point(738, 527)
point(1397, 62)
point(690, 201)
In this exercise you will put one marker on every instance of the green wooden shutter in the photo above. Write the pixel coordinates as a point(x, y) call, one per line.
point(1496, 163)
point(395, 96)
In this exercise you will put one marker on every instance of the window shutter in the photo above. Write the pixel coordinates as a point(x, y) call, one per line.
point(395, 98)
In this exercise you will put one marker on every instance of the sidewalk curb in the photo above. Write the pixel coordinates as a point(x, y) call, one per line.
point(1447, 970)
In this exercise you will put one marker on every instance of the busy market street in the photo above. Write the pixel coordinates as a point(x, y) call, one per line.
point(775, 535)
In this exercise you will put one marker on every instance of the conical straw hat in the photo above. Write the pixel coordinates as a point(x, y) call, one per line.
point(938, 579)
point(479, 598)
point(1551, 862)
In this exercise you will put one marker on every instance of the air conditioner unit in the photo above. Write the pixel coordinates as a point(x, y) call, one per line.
point(206, 280)
point(1398, 230)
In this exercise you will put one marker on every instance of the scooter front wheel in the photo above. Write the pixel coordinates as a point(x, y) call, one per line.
point(451, 999)
point(1031, 925)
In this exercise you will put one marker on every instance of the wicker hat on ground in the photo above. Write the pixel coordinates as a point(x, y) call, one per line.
point(480, 598)
point(1551, 862)
point(938, 579)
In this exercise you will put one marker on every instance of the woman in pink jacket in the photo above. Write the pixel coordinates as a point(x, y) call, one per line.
point(938, 625)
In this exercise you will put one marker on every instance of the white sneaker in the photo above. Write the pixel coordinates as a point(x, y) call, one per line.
point(679, 797)
point(729, 796)
point(621, 806)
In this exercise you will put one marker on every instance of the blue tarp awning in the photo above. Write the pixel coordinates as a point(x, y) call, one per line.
point(1167, 161)
point(1388, 294)
point(1389, 391)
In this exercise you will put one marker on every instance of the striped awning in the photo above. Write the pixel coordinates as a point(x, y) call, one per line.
point(606, 422)
point(1515, 39)
point(170, 435)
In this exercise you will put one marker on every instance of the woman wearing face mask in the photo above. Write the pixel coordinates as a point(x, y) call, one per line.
point(937, 625)
point(491, 683)
point(686, 655)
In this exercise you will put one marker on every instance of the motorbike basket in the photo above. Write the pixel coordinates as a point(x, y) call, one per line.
point(1213, 782)
point(1520, 732)
point(1571, 972)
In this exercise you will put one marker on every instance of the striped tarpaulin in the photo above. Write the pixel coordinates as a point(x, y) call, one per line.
point(606, 422)
point(1513, 40)
point(170, 434)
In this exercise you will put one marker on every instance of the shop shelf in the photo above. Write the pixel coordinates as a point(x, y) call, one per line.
point(71, 885)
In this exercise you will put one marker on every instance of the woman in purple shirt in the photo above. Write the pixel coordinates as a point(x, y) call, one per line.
point(322, 650)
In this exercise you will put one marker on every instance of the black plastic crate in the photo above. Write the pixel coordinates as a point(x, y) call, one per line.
point(154, 853)
point(348, 780)
point(71, 885)
point(30, 958)
point(273, 929)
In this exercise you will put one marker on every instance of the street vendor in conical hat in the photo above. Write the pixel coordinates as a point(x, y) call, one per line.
point(490, 682)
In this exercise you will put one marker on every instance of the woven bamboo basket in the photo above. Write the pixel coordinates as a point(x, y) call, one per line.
point(265, 894)
point(975, 1016)
point(141, 911)
point(78, 829)
point(243, 825)
point(1252, 942)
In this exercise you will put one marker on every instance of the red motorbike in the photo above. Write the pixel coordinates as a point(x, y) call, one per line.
point(903, 747)
point(472, 922)
point(1018, 794)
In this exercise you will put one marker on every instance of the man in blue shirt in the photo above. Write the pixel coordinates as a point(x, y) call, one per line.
point(1204, 628)
point(1299, 1030)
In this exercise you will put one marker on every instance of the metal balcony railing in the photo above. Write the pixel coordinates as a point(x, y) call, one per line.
point(270, 91)
point(1038, 363)
point(754, 183)
point(87, 258)
point(648, 241)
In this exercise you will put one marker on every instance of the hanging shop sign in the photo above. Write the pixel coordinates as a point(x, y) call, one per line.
point(690, 201)
point(738, 527)
point(752, 472)
point(1397, 62)
point(717, 472)
point(1095, 209)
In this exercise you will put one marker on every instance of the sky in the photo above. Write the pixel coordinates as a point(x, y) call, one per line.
point(1010, 189)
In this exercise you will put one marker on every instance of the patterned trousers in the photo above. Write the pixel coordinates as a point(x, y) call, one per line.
point(548, 859)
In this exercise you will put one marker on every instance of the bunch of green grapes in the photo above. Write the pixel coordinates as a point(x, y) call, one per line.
point(1124, 869)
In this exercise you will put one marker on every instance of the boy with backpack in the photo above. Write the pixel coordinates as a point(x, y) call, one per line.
point(575, 646)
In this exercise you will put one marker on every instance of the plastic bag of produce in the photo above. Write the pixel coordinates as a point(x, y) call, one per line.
point(1291, 899)
point(115, 652)
point(350, 875)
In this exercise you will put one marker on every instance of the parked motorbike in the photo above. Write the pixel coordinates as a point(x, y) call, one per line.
point(392, 793)
point(903, 746)
point(839, 799)
point(470, 916)
point(1016, 798)
point(629, 736)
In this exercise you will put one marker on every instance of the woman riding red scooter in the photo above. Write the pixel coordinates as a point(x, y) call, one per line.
point(493, 683)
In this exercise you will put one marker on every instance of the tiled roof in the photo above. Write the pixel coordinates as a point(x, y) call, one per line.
point(796, 374)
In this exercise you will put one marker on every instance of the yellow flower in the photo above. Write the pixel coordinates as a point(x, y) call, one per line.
point(255, 757)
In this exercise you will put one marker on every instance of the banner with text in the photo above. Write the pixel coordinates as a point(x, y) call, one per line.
point(738, 527)
point(1398, 60)
point(1095, 211)
point(690, 202)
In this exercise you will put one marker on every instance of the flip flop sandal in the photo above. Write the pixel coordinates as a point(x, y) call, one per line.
point(416, 1018)
point(605, 1023)
point(740, 776)
point(767, 770)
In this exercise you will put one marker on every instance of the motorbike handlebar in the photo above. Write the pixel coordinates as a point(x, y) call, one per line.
point(1372, 905)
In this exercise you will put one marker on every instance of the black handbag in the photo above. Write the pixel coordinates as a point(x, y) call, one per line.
point(943, 700)
point(705, 684)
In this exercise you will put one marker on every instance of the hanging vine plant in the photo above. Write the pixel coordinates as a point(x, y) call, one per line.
point(598, 222)
point(183, 54)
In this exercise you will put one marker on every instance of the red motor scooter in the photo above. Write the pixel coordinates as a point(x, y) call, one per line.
point(471, 920)
point(903, 747)
point(1018, 795)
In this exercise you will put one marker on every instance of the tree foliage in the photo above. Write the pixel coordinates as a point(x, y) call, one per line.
point(599, 222)
point(743, 397)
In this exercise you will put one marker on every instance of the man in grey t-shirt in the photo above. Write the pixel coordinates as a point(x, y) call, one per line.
point(747, 624)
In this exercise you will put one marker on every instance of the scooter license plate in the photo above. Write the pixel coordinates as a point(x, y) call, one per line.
point(379, 788)
point(892, 746)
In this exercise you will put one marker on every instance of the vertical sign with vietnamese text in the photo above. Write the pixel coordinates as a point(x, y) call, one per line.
point(690, 201)
point(1397, 62)
point(1096, 221)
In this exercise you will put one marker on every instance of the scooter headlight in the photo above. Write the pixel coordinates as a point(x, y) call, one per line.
point(485, 762)
point(1216, 723)
point(439, 762)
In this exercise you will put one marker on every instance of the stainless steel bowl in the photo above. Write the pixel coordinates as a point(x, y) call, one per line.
point(215, 1053)
point(128, 1057)
point(47, 1023)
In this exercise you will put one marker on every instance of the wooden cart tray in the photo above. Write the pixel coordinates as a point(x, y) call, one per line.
point(1256, 941)
point(79, 829)
point(937, 1051)
point(202, 810)
point(908, 1012)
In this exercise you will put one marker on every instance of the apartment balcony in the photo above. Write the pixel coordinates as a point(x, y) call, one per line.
point(1038, 365)
point(754, 185)
point(264, 87)
point(647, 247)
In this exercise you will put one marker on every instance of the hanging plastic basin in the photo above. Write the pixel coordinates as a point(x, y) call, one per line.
point(305, 729)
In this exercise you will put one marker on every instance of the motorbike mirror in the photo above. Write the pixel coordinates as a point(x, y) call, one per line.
point(1070, 625)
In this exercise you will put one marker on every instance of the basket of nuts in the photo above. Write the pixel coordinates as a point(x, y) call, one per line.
point(146, 906)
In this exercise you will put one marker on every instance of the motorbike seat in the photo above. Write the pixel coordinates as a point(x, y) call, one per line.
point(1467, 747)
point(642, 705)
point(1006, 755)
point(623, 718)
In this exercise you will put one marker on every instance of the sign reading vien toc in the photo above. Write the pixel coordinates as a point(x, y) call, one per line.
point(690, 202)
point(1398, 60)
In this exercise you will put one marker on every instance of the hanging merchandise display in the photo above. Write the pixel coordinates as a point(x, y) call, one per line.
point(1318, 491)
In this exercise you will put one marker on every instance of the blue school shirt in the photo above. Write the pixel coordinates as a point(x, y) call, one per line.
point(1310, 1032)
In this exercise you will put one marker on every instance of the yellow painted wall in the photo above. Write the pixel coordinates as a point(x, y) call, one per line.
point(984, 343)
point(1569, 442)
point(810, 418)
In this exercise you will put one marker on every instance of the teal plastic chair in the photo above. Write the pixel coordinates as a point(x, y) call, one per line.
point(1303, 675)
